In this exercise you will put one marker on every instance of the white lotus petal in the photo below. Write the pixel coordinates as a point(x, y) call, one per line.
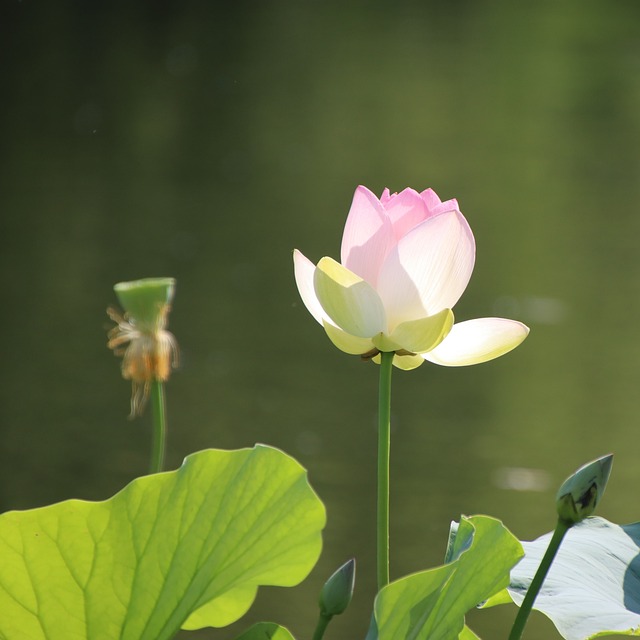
point(419, 336)
point(476, 341)
point(407, 363)
point(367, 237)
point(429, 268)
point(383, 342)
point(348, 300)
point(346, 342)
point(304, 270)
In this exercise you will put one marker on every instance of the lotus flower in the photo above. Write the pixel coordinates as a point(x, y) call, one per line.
point(406, 260)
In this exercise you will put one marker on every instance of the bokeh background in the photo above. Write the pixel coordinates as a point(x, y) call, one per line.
point(206, 140)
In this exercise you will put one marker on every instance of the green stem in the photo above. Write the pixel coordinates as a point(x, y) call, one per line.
point(159, 427)
point(527, 604)
point(323, 623)
point(384, 446)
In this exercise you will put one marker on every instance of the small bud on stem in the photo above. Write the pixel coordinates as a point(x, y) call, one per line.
point(581, 492)
point(335, 595)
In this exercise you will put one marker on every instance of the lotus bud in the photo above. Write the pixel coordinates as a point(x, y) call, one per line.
point(338, 589)
point(580, 493)
point(151, 351)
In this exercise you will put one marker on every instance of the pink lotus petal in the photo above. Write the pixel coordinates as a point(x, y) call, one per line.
point(368, 236)
point(449, 205)
point(428, 270)
point(476, 341)
point(431, 199)
point(304, 270)
point(405, 210)
point(435, 206)
point(386, 196)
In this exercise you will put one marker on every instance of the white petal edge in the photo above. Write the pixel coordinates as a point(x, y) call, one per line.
point(303, 270)
point(429, 269)
point(406, 363)
point(477, 341)
point(350, 302)
point(383, 342)
point(346, 342)
point(424, 334)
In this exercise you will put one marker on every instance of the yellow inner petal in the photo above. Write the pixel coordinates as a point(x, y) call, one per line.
point(352, 304)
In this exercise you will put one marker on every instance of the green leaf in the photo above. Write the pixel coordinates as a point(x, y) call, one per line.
point(187, 548)
point(467, 634)
point(266, 631)
point(432, 604)
point(593, 586)
point(502, 597)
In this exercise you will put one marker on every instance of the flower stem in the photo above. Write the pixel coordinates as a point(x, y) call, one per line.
point(159, 427)
point(323, 623)
point(384, 446)
point(527, 604)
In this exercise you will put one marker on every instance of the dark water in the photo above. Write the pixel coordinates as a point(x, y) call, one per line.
point(207, 140)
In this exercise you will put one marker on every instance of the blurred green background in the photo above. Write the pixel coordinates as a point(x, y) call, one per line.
point(206, 140)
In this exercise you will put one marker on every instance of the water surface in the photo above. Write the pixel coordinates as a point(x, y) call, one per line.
point(206, 141)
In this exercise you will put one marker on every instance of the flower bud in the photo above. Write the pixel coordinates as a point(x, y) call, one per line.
point(580, 493)
point(338, 589)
